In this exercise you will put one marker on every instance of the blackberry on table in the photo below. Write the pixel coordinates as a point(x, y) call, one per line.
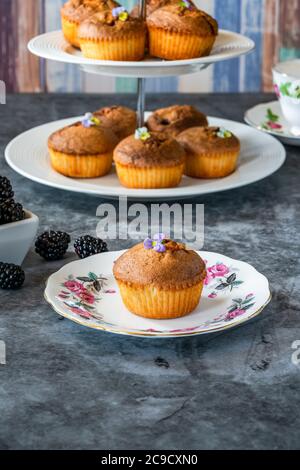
point(6, 191)
point(52, 246)
point(11, 276)
point(11, 211)
point(88, 246)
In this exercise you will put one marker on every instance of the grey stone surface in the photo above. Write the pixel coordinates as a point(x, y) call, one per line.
point(68, 387)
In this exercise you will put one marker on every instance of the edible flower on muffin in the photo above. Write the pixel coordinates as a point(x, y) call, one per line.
point(142, 134)
point(185, 4)
point(157, 244)
point(223, 133)
point(120, 13)
point(90, 120)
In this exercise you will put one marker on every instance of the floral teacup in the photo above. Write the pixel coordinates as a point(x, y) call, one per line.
point(286, 76)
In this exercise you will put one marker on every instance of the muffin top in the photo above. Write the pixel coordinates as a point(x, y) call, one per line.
point(183, 16)
point(121, 120)
point(162, 263)
point(147, 150)
point(151, 6)
point(176, 119)
point(111, 23)
point(201, 140)
point(80, 10)
point(83, 139)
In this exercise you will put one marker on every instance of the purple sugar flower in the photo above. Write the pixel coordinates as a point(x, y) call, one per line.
point(156, 244)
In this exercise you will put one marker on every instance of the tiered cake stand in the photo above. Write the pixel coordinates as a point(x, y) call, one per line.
point(261, 154)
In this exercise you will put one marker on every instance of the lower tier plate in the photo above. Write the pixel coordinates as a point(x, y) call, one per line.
point(234, 294)
point(261, 155)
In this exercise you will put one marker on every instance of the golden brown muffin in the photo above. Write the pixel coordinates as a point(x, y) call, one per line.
point(151, 6)
point(121, 120)
point(181, 31)
point(75, 12)
point(82, 150)
point(113, 35)
point(149, 161)
point(160, 278)
point(175, 119)
point(211, 152)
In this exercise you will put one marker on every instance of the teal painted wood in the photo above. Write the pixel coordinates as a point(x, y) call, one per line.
point(227, 74)
point(60, 77)
point(252, 26)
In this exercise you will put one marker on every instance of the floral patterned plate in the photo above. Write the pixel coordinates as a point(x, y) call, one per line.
point(268, 118)
point(85, 292)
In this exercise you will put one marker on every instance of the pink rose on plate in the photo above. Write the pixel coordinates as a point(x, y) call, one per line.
point(236, 313)
point(81, 313)
point(277, 91)
point(75, 286)
point(213, 296)
point(87, 297)
point(209, 278)
point(274, 125)
point(218, 270)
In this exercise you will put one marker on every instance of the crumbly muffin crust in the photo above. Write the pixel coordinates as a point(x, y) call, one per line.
point(202, 140)
point(176, 268)
point(157, 151)
point(121, 120)
point(104, 25)
point(80, 10)
point(175, 119)
point(188, 21)
point(79, 140)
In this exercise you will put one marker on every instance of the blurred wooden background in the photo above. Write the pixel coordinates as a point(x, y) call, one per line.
point(273, 24)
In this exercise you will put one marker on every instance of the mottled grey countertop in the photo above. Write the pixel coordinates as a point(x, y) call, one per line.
point(67, 387)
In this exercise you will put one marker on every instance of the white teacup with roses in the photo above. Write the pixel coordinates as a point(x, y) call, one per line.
point(286, 77)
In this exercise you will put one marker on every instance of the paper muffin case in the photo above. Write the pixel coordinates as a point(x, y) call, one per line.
point(81, 166)
point(150, 302)
point(172, 45)
point(70, 30)
point(150, 178)
point(121, 49)
point(211, 165)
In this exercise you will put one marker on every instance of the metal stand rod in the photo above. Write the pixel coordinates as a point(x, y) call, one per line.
point(141, 81)
point(141, 101)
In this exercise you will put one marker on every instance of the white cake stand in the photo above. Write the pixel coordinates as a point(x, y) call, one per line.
point(53, 46)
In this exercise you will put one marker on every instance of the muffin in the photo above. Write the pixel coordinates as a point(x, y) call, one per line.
point(149, 161)
point(121, 120)
point(151, 6)
point(181, 31)
point(175, 119)
point(113, 35)
point(83, 149)
point(211, 152)
point(160, 278)
point(75, 12)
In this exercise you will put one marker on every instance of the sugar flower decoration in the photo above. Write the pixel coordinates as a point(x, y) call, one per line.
point(89, 120)
point(121, 13)
point(185, 4)
point(142, 134)
point(156, 244)
point(224, 133)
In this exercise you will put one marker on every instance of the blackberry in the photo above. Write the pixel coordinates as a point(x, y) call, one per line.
point(11, 276)
point(52, 245)
point(6, 191)
point(88, 246)
point(11, 211)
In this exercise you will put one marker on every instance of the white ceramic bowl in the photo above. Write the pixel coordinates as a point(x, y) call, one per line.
point(16, 239)
point(286, 76)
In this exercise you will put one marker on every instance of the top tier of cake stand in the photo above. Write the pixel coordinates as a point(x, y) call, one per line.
point(53, 46)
